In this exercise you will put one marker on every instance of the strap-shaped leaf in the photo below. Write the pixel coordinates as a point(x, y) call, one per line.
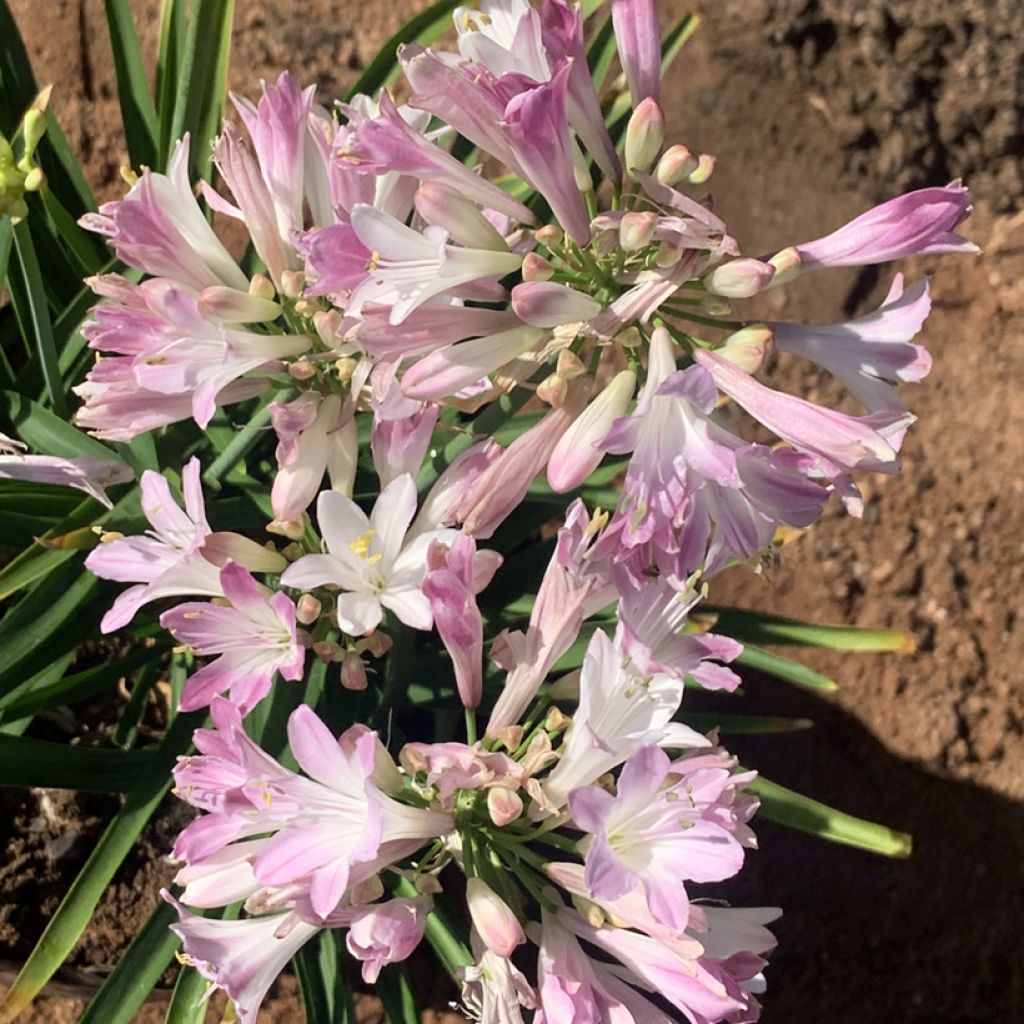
point(137, 971)
point(790, 808)
point(744, 725)
point(27, 762)
point(785, 668)
point(46, 432)
point(761, 628)
point(137, 111)
point(169, 50)
point(396, 995)
point(71, 917)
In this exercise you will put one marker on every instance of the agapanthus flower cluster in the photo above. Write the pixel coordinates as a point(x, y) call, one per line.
point(393, 290)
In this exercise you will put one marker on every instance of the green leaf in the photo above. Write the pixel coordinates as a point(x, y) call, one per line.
point(759, 627)
point(316, 965)
point(27, 762)
point(90, 257)
point(190, 998)
point(601, 53)
point(172, 39)
point(38, 315)
point(395, 991)
point(200, 94)
point(137, 971)
point(137, 111)
point(744, 725)
point(787, 807)
point(422, 28)
point(46, 432)
point(17, 83)
point(785, 668)
point(72, 916)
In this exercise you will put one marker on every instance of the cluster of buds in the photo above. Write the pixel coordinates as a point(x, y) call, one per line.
point(19, 172)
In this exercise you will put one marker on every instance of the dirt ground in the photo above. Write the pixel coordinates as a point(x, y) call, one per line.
point(815, 110)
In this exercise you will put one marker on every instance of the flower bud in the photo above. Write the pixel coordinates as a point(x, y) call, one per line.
point(636, 230)
point(345, 367)
point(552, 390)
point(439, 204)
point(748, 348)
point(536, 268)
point(569, 365)
point(262, 287)
point(676, 163)
point(292, 283)
point(715, 305)
point(301, 369)
point(549, 235)
point(377, 644)
point(576, 454)
point(645, 135)
point(234, 307)
point(629, 337)
point(556, 720)
point(353, 672)
point(327, 324)
point(307, 609)
point(705, 168)
point(493, 919)
point(787, 264)
point(503, 805)
point(546, 304)
point(669, 253)
point(328, 651)
point(293, 529)
point(739, 279)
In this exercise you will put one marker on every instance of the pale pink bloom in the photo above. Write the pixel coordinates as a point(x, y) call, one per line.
point(651, 633)
point(315, 434)
point(638, 39)
point(457, 573)
point(696, 986)
point(450, 767)
point(327, 832)
point(159, 228)
point(432, 326)
point(370, 559)
point(569, 591)
point(168, 346)
point(578, 453)
point(447, 502)
point(255, 637)
point(842, 442)
point(226, 876)
point(912, 224)
point(408, 267)
point(494, 990)
point(462, 219)
point(242, 957)
point(84, 474)
point(869, 354)
point(402, 431)
point(573, 987)
point(386, 933)
point(666, 824)
point(503, 485)
point(618, 712)
point(169, 562)
point(388, 143)
point(449, 370)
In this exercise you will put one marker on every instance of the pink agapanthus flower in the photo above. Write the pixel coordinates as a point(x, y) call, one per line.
point(667, 823)
point(255, 638)
point(92, 476)
point(369, 559)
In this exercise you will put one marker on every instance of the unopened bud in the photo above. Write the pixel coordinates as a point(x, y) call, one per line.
point(629, 338)
point(715, 305)
point(439, 204)
point(749, 348)
point(292, 552)
point(676, 163)
point(307, 609)
point(262, 287)
point(293, 529)
point(307, 307)
point(556, 721)
point(547, 304)
point(33, 128)
point(536, 268)
point(503, 805)
point(669, 253)
point(345, 367)
point(427, 885)
point(645, 135)
point(552, 390)
point(377, 644)
point(636, 230)
point(569, 365)
point(493, 919)
point(234, 307)
point(301, 369)
point(327, 323)
point(787, 264)
point(580, 168)
point(511, 736)
point(328, 651)
point(705, 168)
point(34, 180)
point(292, 283)
point(549, 235)
point(589, 911)
point(739, 279)
point(353, 672)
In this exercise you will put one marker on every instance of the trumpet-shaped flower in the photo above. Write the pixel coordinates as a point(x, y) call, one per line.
point(666, 824)
point(255, 638)
point(369, 559)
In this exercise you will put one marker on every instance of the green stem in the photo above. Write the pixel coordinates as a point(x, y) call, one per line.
point(470, 726)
